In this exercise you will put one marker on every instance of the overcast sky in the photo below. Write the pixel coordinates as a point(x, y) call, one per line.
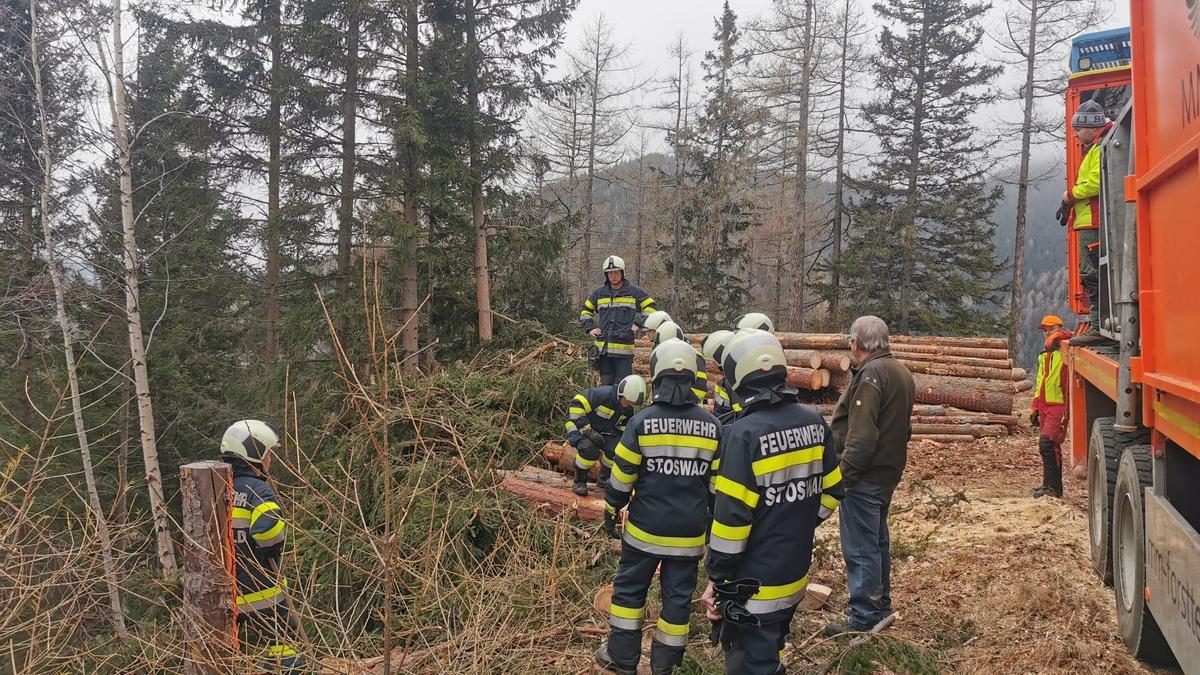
point(650, 26)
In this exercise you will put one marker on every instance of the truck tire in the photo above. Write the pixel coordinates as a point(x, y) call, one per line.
point(1135, 623)
point(1104, 454)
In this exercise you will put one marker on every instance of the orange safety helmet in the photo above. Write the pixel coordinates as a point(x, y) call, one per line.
point(1050, 320)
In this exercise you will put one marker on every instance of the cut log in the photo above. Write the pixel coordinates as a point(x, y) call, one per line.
point(966, 352)
point(976, 430)
point(944, 438)
point(815, 597)
point(960, 360)
point(834, 362)
point(964, 393)
point(555, 500)
point(955, 370)
point(803, 358)
point(964, 418)
point(805, 378)
point(941, 341)
point(1023, 385)
point(562, 457)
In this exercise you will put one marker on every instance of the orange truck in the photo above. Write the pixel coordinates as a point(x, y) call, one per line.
point(1135, 398)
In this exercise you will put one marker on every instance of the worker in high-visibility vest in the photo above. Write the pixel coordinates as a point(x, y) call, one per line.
point(1049, 410)
point(266, 628)
point(1083, 198)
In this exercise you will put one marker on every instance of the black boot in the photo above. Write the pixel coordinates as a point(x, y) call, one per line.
point(605, 472)
point(579, 487)
point(606, 663)
point(664, 659)
point(1051, 469)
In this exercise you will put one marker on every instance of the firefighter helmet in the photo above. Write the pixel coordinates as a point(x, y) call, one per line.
point(754, 320)
point(667, 330)
point(672, 357)
point(714, 344)
point(613, 263)
point(751, 354)
point(633, 389)
point(655, 319)
point(250, 440)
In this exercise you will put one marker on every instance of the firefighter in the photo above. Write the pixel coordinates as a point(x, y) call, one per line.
point(664, 458)
point(668, 330)
point(655, 319)
point(779, 479)
point(612, 316)
point(596, 418)
point(264, 623)
point(712, 348)
point(1049, 410)
point(1083, 200)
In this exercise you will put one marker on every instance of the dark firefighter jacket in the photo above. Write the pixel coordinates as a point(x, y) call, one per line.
point(779, 479)
point(598, 408)
point(258, 533)
point(615, 312)
point(664, 457)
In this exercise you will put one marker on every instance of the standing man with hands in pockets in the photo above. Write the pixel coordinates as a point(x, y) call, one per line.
point(612, 316)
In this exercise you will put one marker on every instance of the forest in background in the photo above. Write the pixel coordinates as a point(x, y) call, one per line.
point(282, 208)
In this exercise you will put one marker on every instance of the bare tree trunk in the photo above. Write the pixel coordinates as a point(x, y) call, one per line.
point(1014, 305)
point(409, 294)
point(589, 188)
point(483, 295)
point(121, 498)
point(60, 307)
point(349, 124)
point(908, 239)
point(274, 217)
point(677, 234)
point(839, 189)
point(802, 172)
point(133, 312)
point(24, 364)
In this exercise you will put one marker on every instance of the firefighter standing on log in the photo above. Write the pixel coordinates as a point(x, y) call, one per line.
point(596, 419)
point(612, 316)
point(664, 457)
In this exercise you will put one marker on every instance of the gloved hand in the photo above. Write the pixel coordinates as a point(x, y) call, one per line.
point(1061, 215)
point(585, 446)
point(595, 437)
point(610, 525)
point(1034, 420)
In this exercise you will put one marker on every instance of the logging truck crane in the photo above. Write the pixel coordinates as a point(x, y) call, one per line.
point(1135, 402)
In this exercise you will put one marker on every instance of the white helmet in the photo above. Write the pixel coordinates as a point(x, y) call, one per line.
point(754, 320)
point(249, 439)
point(672, 356)
point(667, 330)
point(633, 389)
point(655, 319)
point(749, 354)
point(612, 263)
point(714, 344)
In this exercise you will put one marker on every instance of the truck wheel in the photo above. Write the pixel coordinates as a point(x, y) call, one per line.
point(1136, 625)
point(1104, 454)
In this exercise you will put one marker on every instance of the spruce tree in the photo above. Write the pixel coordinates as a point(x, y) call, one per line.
point(920, 253)
point(714, 268)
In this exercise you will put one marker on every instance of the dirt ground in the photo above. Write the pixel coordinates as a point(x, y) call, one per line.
point(986, 578)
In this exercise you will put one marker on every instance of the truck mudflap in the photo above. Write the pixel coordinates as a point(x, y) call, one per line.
point(1173, 579)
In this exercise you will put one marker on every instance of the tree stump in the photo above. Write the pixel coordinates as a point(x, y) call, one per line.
point(209, 608)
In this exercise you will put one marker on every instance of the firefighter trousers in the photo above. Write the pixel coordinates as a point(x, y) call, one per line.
point(677, 583)
point(756, 650)
point(269, 637)
point(613, 369)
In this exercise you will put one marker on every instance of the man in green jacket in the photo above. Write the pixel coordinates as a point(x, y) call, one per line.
point(871, 427)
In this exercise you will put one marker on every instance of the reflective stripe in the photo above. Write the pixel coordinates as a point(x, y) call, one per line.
point(589, 304)
point(584, 463)
point(605, 411)
point(615, 347)
point(576, 411)
point(648, 301)
point(676, 451)
point(270, 537)
point(620, 300)
point(610, 509)
point(726, 545)
point(658, 545)
point(259, 600)
point(618, 485)
point(627, 624)
point(241, 518)
point(736, 490)
point(619, 475)
point(824, 513)
point(672, 634)
point(829, 501)
point(261, 510)
point(628, 455)
point(583, 403)
point(832, 478)
point(730, 532)
point(774, 598)
point(570, 426)
point(678, 440)
point(626, 617)
point(789, 466)
point(605, 460)
point(281, 650)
